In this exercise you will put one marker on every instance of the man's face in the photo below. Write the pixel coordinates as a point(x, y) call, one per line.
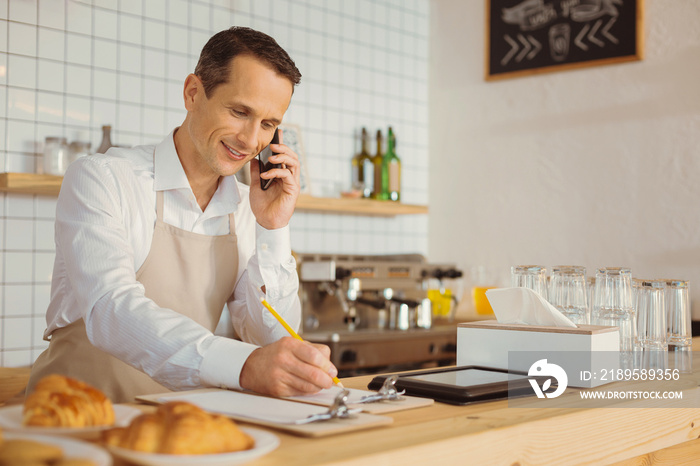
point(239, 118)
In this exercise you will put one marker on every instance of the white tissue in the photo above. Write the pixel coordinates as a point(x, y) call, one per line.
point(525, 306)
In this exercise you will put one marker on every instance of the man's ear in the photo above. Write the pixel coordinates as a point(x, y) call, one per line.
point(193, 89)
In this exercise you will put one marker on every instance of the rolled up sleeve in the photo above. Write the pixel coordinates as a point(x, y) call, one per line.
point(274, 268)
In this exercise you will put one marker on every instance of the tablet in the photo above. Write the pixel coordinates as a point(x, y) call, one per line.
point(460, 385)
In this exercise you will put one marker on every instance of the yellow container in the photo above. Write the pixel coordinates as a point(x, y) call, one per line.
point(441, 302)
point(481, 302)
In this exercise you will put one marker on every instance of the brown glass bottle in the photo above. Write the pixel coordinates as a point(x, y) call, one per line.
point(363, 168)
point(106, 140)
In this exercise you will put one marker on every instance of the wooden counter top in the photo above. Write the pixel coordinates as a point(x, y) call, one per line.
point(494, 433)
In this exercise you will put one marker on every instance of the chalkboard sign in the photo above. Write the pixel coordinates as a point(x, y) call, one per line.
point(535, 36)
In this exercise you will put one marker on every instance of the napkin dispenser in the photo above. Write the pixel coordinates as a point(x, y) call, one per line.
point(593, 351)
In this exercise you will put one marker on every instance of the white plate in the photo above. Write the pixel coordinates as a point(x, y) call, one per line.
point(265, 442)
point(11, 419)
point(71, 448)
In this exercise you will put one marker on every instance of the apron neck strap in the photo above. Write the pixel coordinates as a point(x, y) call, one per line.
point(159, 205)
point(231, 224)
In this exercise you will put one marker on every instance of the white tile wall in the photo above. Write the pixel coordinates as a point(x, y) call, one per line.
point(68, 67)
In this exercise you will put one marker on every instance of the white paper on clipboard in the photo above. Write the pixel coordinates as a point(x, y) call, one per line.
point(247, 406)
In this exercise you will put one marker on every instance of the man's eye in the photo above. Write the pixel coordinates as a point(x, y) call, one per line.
point(237, 113)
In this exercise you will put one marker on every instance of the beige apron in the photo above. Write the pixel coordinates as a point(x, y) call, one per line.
point(190, 273)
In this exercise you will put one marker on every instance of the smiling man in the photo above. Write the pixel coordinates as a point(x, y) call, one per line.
point(152, 242)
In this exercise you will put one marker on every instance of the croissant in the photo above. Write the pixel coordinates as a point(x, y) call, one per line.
point(59, 401)
point(180, 428)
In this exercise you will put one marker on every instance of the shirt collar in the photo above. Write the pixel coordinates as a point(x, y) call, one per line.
point(167, 171)
point(169, 174)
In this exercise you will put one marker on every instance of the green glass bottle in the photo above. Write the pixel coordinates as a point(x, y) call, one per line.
point(392, 168)
point(379, 190)
point(363, 168)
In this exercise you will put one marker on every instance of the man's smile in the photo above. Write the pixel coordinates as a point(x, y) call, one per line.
point(234, 154)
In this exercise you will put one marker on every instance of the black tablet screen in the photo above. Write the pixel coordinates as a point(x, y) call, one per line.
point(465, 377)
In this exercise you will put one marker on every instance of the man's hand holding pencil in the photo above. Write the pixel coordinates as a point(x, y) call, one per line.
point(289, 366)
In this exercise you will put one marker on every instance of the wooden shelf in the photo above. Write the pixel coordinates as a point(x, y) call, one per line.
point(31, 183)
point(346, 205)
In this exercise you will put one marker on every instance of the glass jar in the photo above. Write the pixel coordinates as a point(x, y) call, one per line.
point(78, 149)
point(56, 156)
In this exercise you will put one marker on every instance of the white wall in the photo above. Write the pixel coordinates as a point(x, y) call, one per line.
point(69, 66)
point(594, 167)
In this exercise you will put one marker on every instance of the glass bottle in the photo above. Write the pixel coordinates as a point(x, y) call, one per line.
point(355, 182)
point(106, 140)
point(392, 165)
point(56, 154)
point(379, 190)
point(363, 168)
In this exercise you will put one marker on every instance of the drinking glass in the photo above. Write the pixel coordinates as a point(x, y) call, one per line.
point(612, 302)
point(678, 318)
point(567, 292)
point(483, 279)
point(651, 359)
point(651, 316)
point(651, 348)
point(636, 287)
point(636, 293)
point(533, 277)
point(590, 288)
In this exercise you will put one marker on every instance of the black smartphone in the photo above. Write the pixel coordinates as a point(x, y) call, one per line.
point(263, 161)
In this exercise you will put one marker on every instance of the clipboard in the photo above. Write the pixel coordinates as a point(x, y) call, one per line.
point(277, 413)
point(325, 398)
point(461, 385)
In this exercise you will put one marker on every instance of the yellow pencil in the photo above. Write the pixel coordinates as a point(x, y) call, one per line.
point(290, 330)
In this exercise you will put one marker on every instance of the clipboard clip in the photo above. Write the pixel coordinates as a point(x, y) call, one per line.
point(388, 392)
point(338, 410)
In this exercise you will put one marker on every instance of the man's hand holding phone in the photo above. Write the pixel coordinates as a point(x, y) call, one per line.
point(273, 199)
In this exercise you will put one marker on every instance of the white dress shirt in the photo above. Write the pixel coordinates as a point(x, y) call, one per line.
point(105, 217)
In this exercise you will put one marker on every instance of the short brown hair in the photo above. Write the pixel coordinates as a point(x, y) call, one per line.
point(216, 56)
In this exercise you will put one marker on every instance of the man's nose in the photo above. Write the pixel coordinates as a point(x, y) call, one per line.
point(249, 134)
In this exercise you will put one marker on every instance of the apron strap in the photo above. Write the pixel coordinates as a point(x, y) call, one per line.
point(159, 205)
point(231, 225)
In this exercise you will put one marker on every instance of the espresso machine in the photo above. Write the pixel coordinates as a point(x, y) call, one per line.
point(374, 312)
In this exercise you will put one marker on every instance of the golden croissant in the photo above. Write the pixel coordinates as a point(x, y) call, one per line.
point(59, 401)
point(180, 428)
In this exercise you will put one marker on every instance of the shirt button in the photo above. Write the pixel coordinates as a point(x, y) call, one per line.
point(263, 246)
